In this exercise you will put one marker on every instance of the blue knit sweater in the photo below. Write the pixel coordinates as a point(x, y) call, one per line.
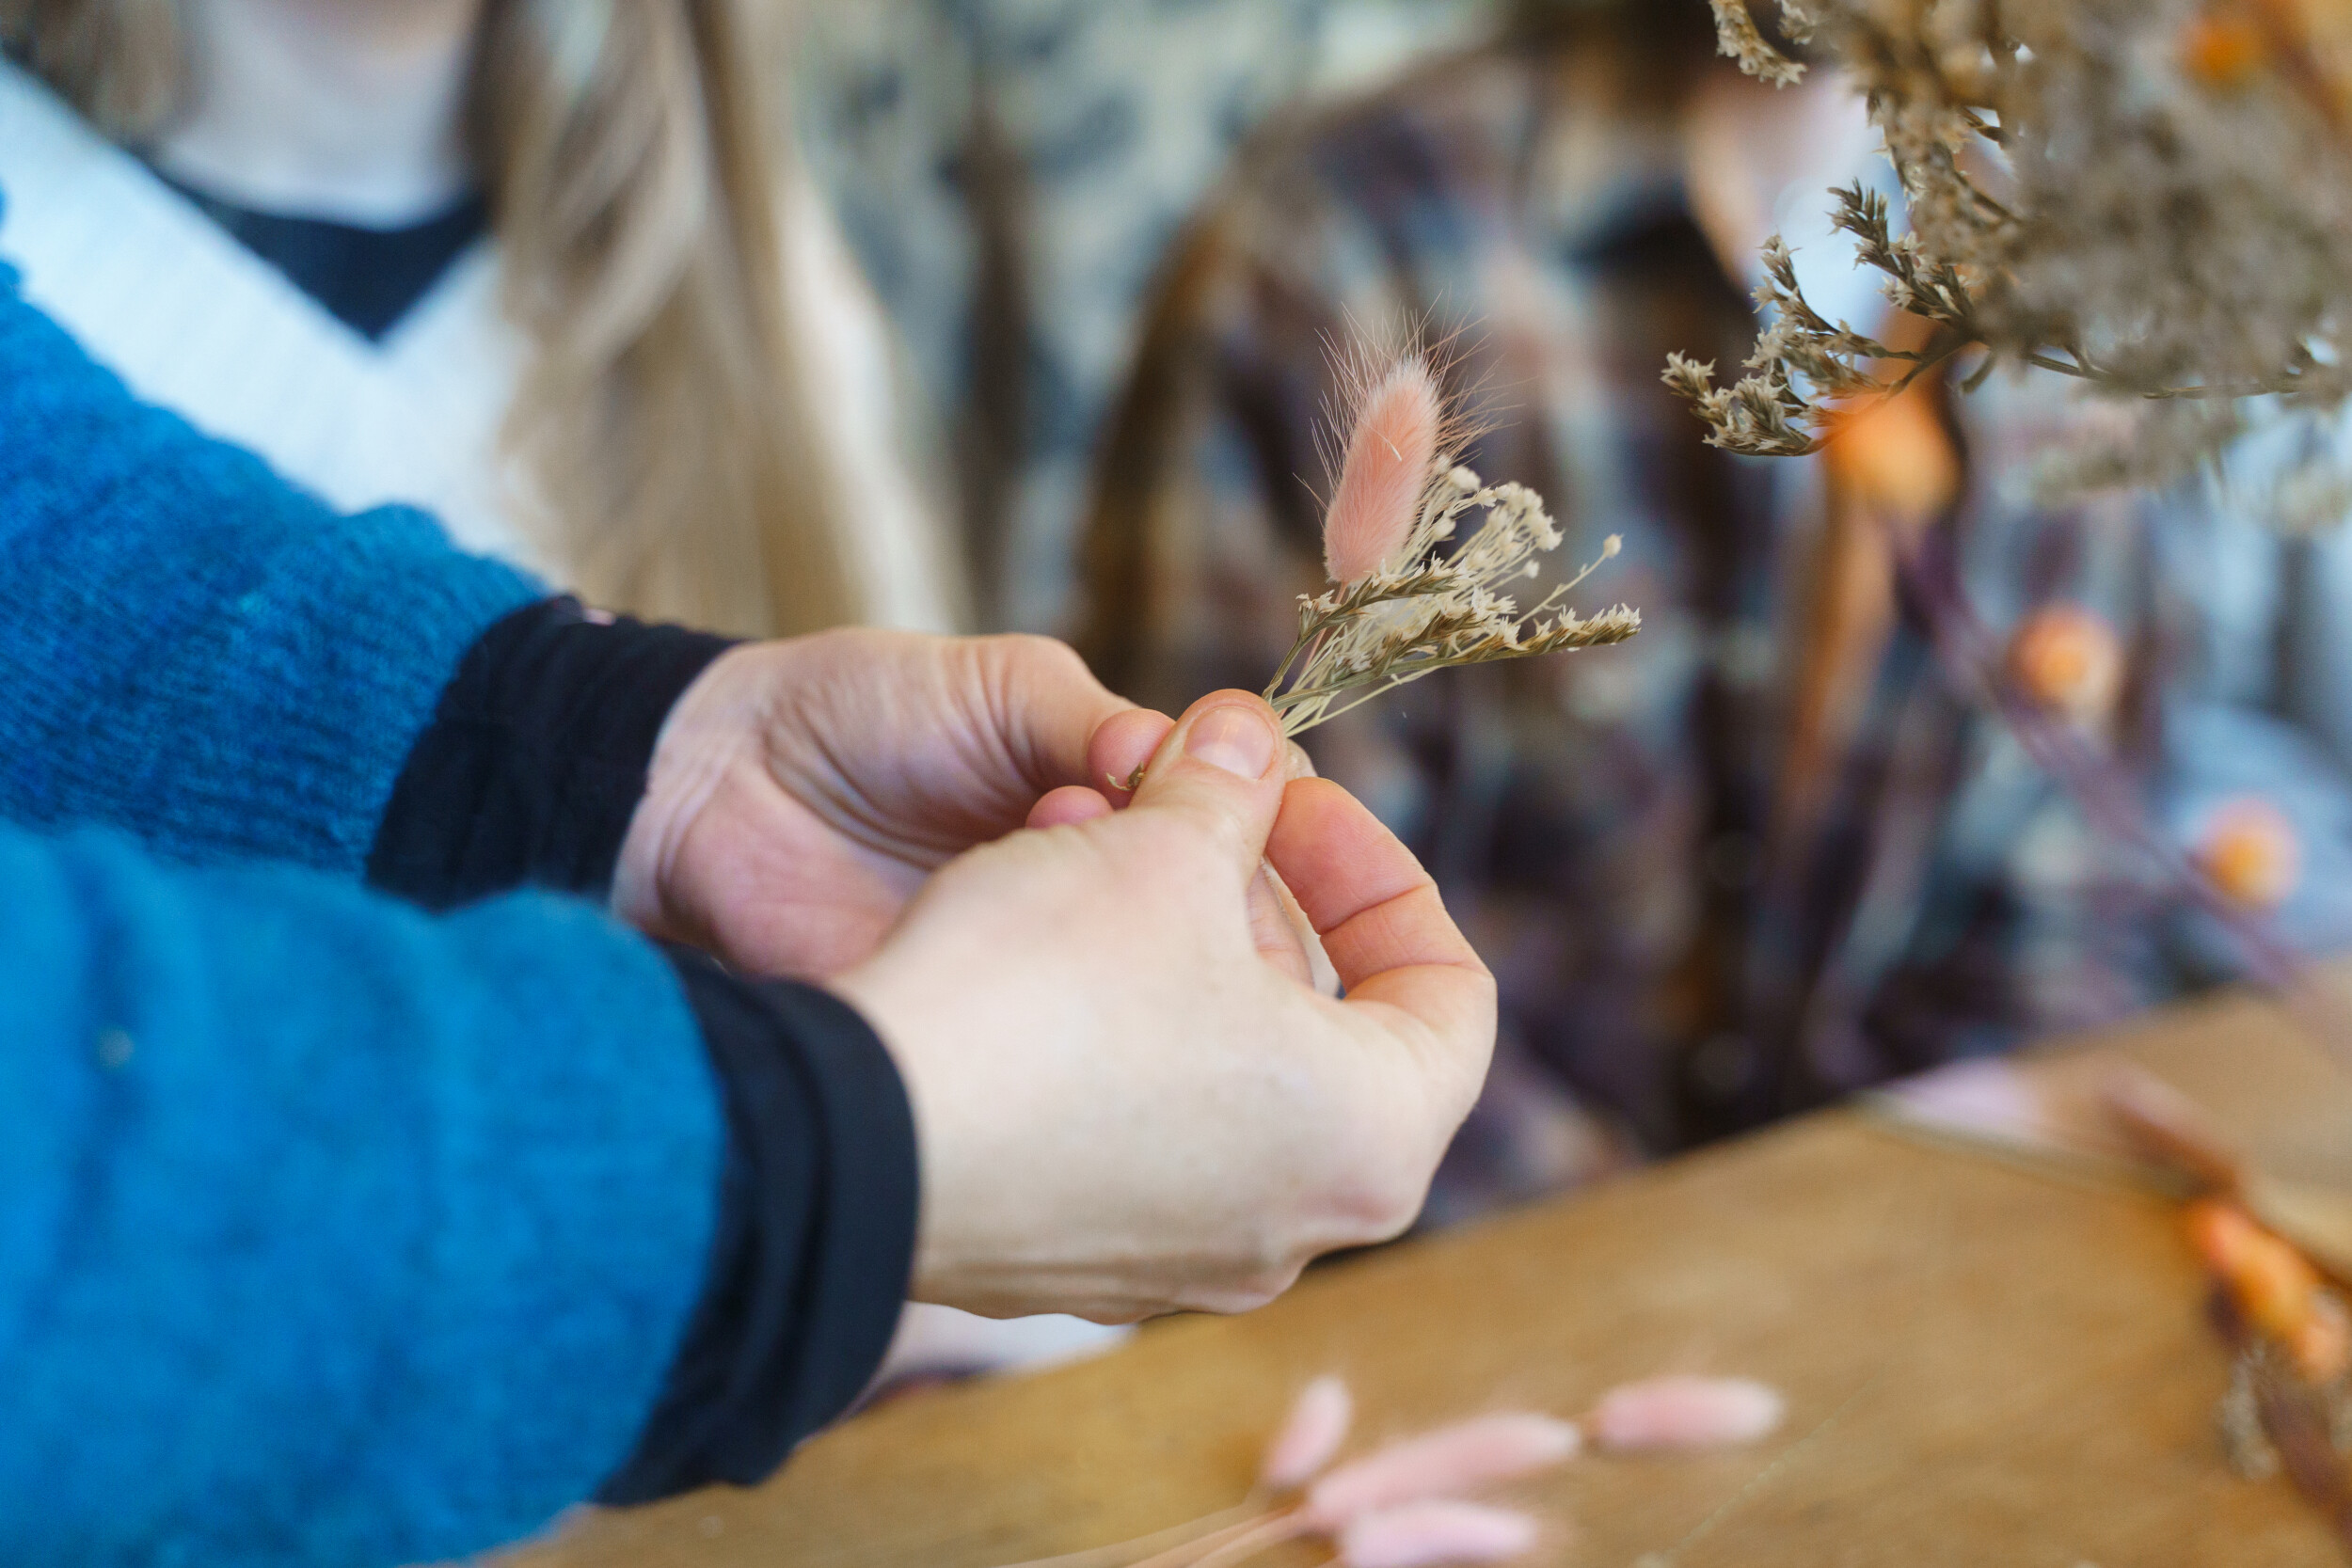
point(329, 1233)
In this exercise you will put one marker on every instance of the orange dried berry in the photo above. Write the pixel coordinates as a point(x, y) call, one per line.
point(2274, 1287)
point(2224, 49)
point(2064, 657)
point(1894, 457)
point(2221, 1232)
point(2322, 1346)
point(2250, 852)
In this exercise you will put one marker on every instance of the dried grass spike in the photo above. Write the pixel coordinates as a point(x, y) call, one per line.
point(1432, 1534)
point(1317, 1426)
point(1684, 1414)
point(1390, 456)
point(1459, 1458)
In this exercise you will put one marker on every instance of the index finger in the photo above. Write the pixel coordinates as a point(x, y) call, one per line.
point(1040, 698)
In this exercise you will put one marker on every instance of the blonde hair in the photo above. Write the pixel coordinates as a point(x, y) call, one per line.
point(631, 154)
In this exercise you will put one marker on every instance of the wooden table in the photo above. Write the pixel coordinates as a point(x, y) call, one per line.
point(1987, 1368)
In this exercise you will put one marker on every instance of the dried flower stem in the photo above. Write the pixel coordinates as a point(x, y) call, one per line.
point(1177, 1545)
point(1288, 1525)
point(1248, 1537)
point(1971, 657)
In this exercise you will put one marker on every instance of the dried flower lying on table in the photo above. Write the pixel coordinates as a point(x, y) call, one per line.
point(1404, 1505)
point(2293, 1337)
point(1405, 605)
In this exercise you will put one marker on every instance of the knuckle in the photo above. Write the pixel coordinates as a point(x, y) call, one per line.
point(1043, 657)
point(1383, 1200)
point(1381, 1177)
point(1250, 1288)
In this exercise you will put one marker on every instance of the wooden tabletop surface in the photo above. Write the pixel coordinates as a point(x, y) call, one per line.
point(1986, 1367)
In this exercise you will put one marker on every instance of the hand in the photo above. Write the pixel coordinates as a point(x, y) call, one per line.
point(1125, 1098)
point(803, 791)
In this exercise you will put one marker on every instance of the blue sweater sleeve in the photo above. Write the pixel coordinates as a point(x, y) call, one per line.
point(329, 1232)
point(193, 650)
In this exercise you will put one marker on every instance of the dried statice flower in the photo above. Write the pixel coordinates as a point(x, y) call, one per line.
point(2152, 197)
point(2238, 1424)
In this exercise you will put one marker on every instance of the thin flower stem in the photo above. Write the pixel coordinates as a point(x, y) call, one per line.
point(1303, 648)
point(1213, 1549)
point(1204, 1534)
point(1382, 677)
point(1287, 1526)
point(1325, 715)
point(1970, 654)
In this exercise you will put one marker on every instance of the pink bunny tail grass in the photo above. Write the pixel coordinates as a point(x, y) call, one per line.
point(1684, 1414)
point(1317, 1426)
point(1432, 1534)
point(1456, 1459)
point(1390, 455)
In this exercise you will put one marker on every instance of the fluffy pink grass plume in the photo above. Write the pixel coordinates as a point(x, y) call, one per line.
point(1317, 1426)
point(1390, 455)
point(1432, 1534)
point(1449, 1461)
point(1684, 1414)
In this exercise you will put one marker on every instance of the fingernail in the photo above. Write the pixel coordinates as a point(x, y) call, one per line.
point(1237, 739)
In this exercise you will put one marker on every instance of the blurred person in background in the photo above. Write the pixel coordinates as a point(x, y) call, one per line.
point(552, 272)
point(1010, 172)
point(1771, 850)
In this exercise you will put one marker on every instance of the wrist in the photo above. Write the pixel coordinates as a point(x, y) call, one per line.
point(710, 733)
point(817, 1225)
point(536, 759)
point(959, 1256)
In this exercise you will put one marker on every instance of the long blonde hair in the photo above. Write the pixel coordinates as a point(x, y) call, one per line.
point(630, 153)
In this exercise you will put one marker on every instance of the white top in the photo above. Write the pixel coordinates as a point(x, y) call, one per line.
point(192, 320)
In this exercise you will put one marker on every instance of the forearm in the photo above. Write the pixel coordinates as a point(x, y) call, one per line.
point(194, 651)
point(336, 1233)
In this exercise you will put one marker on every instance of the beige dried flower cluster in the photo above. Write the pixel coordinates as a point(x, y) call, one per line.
point(1430, 611)
point(2152, 197)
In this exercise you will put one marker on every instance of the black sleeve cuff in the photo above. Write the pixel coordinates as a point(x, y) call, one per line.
point(535, 758)
point(816, 1238)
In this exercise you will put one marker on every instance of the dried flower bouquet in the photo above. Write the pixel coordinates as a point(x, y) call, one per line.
point(1405, 605)
point(2151, 196)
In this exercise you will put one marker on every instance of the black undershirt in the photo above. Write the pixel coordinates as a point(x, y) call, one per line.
point(527, 777)
point(367, 279)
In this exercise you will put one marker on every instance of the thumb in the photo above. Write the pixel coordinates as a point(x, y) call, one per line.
point(1224, 765)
